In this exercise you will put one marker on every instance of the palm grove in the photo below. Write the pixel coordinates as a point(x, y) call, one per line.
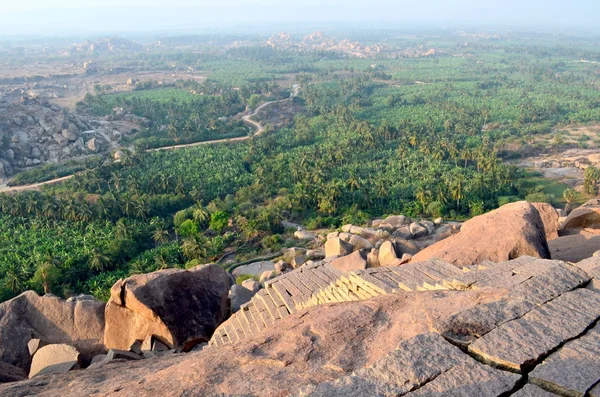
point(360, 148)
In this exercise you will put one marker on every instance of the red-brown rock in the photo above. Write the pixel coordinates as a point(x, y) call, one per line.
point(79, 322)
point(509, 232)
point(586, 216)
point(549, 217)
point(181, 307)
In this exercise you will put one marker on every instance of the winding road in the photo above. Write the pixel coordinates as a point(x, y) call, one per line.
point(246, 118)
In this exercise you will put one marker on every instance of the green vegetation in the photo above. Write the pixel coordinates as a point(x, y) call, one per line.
point(425, 137)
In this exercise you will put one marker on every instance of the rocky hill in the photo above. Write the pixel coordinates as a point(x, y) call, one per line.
point(484, 311)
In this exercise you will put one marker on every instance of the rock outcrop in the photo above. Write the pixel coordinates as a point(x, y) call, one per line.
point(549, 217)
point(511, 231)
point(182, 307)
point(526, 327)
point(79, 322)
point(586, 216)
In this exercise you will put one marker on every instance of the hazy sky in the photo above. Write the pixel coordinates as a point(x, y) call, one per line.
point(101, 16)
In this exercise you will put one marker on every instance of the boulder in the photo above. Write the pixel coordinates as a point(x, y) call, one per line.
point(549, 218)
point(267, 275)
point(281, 266)
point(115, 354)
point(239, 295)
point(254, 269)
point(387, 254)
point(332, 235)
point(337, 247)
point(35, 152)
point(251, 285)
point(51, 319)
point(182, 307)
point(304, 235)
point(586, 216)
point(403, 232)
point(418, 230)
point(579, 245)
point(405, 247)
point(373, 258)
point(511, 231)
point(54, 359)
point(438, 221)
point(10, 373)
point(396, 220)
point(345, 236)
point(430, 226)
point(290, 253)
point(355, 261)
point(360, 243)
point(379, 235)
point(91, 145)
point(346, 228)
point(34, 345)
point(315, 254)
point(298, 261)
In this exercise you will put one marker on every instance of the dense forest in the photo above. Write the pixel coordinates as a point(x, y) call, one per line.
point(423, 136)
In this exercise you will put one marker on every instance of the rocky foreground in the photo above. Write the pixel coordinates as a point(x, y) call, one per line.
point(493, 317)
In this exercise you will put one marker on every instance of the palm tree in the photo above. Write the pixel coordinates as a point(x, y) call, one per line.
point(423, 195)
point(457, 191)
point(200, 214)
point(194, 247)
point(122, 229)
point(141, 208)
point(160, 235)
point(98, 261)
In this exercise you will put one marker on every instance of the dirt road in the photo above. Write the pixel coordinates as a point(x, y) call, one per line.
point(246, 118)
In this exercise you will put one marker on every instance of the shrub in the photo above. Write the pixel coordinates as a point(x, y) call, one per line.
point(218, 221)
point(188, 228)
point(243, 277)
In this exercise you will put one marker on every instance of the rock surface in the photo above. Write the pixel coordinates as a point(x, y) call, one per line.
point(337, 247)
point(54, 359)
point(355, 261)
point(183, 307)
point(51, 319)
point(549, 218)
point(254, 269)
point(509, 232)
point(10, 373)
point(586, 216)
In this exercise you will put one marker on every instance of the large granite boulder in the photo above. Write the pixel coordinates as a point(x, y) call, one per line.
point(28, 316)
point(508, 232)
point(337, 247)
point(355, 261)
point(182, 307)
point(549, 217)
point(254, 269)
point(586, 216)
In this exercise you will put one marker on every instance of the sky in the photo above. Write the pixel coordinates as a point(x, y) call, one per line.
point(59, 17)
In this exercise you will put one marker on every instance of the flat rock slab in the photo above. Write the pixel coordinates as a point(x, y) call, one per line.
point(415, 362)
point(254, 269)
point(57, 358)
point(573, 369)
point(472, 379)
point(530, 390)
point(520, 344)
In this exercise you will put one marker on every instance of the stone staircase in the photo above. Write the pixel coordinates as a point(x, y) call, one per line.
point(319, 283)
point(279, 298)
